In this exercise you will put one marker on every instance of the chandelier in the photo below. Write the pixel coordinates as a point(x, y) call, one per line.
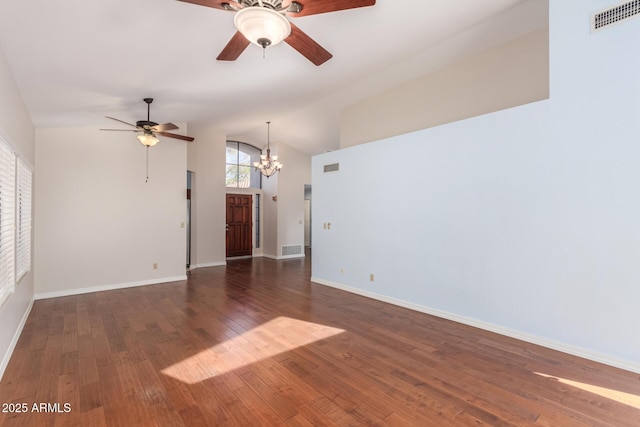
point(268, 165)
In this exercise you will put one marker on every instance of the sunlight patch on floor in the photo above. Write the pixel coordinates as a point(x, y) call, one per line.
point(619, 396)
point(267, 340)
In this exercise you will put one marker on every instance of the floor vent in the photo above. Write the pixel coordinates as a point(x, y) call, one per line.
point(615, 14)
point(334, 167)
point(292, 250)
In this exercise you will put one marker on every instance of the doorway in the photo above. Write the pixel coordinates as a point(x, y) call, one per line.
point(239, 219)
point(188, 219)
point(307, 216)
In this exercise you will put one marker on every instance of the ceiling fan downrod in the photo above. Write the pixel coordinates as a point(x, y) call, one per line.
point(148, 101)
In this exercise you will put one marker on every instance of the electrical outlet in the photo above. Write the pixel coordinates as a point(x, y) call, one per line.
point(371, 277)
point(155, 265)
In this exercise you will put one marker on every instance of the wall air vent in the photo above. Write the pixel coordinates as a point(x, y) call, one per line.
point(292, 250)
point(335, 167)
point(615, 14)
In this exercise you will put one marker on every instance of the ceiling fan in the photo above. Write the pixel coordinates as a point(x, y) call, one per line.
point(150, 129)
point(264, 23)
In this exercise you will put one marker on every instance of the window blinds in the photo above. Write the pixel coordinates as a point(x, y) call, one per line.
point(7, 219)
point(23, 244)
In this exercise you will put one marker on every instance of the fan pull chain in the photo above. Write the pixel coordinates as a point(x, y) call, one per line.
point(147, 180)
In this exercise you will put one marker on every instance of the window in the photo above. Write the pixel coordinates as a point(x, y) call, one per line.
point(7, 219)
point(240, 170)
point(257, 221)
point(15, 219)
point(23, 238)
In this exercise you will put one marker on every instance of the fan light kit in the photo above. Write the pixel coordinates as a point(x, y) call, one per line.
point(148, 139)
point(261, 26)
point(150, 130)
point(264, 23)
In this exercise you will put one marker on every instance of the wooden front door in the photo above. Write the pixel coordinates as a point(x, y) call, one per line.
point(239, 225)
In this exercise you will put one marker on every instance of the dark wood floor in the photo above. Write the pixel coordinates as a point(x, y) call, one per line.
point(256, 344)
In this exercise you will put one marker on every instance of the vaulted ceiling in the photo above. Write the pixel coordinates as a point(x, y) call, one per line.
point(76, 61)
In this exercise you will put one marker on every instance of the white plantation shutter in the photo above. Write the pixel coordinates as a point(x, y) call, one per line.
point(7, 219)
point(23, 244)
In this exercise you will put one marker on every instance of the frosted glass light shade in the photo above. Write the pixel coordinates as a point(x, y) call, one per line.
point(258, 23)
point(148, 139)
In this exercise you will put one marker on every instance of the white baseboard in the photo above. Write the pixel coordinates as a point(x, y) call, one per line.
point(283, 257)
point(209, 264)
point(12, 345)
point(606, 359)
point(291, 256)
point(79, 291)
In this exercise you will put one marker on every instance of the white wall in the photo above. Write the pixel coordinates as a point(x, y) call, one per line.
point(522, 221)
point(207, 159)
point(514, 73)
point(17, 129)
point(99, 225)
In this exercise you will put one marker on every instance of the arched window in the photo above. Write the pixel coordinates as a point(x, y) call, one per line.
point(240, 170)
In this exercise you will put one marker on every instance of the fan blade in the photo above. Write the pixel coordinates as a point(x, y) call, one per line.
point(124, 130)
point(217, 4)
point(314, 7)
point(308, 47)
point(163, 127)
point(176, 136)
point(121, 121)
point(234, 48)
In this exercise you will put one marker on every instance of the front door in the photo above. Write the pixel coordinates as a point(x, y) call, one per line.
point(239, 225)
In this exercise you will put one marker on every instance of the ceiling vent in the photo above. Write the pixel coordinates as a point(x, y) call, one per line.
point(615, 14)
point(334, 167)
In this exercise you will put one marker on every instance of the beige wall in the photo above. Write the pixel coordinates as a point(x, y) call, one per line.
point(284, 218)
point(512, 74)
point(98, 224)
point(206, 158)
point(281, 220)
point(17, 129)
point(293, 176)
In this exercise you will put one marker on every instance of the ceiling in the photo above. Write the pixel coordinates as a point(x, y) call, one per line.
point(76, 61)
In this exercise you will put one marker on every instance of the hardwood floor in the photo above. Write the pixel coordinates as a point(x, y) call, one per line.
point(255, 343)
